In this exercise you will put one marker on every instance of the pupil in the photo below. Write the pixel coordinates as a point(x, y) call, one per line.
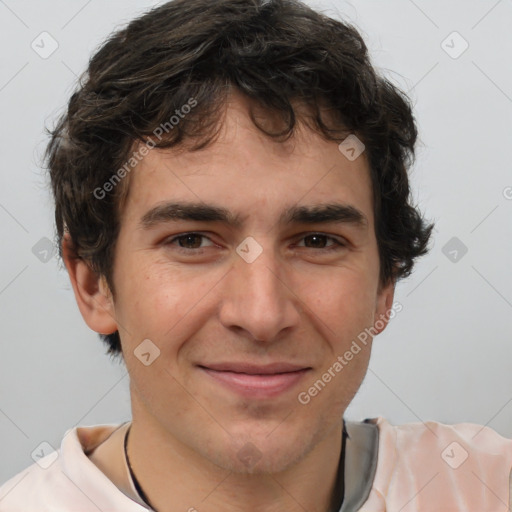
point(318, 240)
point(188, 241)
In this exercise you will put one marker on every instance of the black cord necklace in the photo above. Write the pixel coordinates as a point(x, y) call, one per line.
point(132, 474)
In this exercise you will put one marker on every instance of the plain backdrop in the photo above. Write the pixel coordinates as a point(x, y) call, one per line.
point(446, 356)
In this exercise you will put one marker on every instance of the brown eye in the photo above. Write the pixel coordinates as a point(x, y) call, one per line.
point(316, 241)
point(190, 241)
point(321, 242)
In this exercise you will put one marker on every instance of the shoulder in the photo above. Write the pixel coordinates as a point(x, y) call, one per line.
point(434, 466)
point(66, 479)
point(463, 439)
point(40, 486)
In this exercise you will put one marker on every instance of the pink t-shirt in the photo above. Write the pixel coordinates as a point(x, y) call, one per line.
point(418, 467)
point(443, 468)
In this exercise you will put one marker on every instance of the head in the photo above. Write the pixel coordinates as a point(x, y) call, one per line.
point(224, 119)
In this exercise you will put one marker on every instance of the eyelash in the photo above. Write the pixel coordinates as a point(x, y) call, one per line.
point(337, 244)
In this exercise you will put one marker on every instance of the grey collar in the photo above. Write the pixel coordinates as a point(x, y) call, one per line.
point(361, 450)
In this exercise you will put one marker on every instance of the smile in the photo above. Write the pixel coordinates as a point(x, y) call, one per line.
point(256, 381)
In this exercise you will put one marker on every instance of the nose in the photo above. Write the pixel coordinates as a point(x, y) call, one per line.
point(258, 300)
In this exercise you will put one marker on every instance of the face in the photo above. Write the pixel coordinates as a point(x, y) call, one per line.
point(251, 288)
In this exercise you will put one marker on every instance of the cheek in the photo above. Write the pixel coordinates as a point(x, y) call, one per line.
point(344, 301)
point(162, 303)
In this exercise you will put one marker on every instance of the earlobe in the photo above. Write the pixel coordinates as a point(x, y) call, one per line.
point(92, 294)
point(384, 306)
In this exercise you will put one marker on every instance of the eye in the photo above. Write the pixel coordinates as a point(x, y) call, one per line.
point(321, 241)
point(190, 241)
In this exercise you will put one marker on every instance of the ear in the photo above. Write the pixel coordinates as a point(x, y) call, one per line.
point(383, 305)
point(92, 293)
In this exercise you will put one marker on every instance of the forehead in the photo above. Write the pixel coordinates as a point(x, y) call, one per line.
point(246, 170)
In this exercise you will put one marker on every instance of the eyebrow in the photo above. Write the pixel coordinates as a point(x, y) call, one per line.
point(332, 212)
point(313, 214)
point(166, 212)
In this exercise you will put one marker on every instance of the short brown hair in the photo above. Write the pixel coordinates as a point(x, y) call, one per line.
point(278, 53)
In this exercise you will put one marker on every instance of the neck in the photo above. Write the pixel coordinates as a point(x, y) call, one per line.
point(198, 484)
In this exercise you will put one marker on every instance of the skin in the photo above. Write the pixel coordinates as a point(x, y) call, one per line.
point(296, 303)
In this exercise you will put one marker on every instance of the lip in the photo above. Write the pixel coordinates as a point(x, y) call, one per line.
point(256, 381)
point(255, 369)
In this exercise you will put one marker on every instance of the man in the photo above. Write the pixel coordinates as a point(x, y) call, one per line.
point(233, 209)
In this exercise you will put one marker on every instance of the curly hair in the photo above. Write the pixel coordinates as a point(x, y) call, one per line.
point(281, 54)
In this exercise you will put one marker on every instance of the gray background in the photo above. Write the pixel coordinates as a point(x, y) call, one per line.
point(445, 357)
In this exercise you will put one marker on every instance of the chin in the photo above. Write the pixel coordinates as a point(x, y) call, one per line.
point(261, 453)
point(264, 463)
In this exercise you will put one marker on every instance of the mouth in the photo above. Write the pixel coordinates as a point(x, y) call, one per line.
point(256, 381)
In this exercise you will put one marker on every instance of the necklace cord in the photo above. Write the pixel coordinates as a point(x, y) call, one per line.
point(142, 494)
